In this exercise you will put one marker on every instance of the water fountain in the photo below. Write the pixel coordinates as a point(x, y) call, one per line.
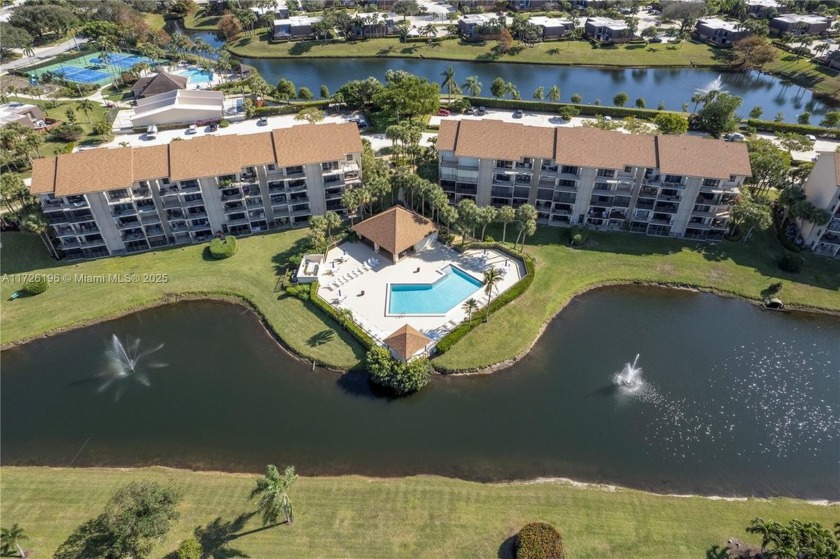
point(629, 379)
point(715, 85)
point(123, 362)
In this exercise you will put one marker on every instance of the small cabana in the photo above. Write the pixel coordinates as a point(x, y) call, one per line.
point(407, 343)
point(397, 232)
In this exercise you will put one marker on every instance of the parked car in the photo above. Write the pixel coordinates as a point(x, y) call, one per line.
point(262, 121)
point(518, 113)
point(213, 126)
point(481, 111)
point(444, 112)
point(191, 129)
point(811, 137)
point(360, 122)
point(735, 137)
point(151, 132)
point(608, 118)
point(470, 111)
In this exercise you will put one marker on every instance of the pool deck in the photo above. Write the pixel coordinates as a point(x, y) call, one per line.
point(370, 310)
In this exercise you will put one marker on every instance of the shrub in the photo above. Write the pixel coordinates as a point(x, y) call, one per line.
point(787, 243)
point(35, 286)
point(488, 239)
point(578, 235)
point(791, 263)
point(402, 378)
point(190, 549)
point(545, 106)
point(299, 290)
point(539, 540)
point(329, 310)
point(223, 247)
point(224, 123)
point(101, 128)
point(67, 132)
point(771, 126)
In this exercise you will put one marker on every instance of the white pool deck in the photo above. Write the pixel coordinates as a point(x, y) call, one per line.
point(351, 263)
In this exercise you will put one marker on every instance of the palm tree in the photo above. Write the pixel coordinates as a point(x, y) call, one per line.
point(450, 84)
point(29, 52)
point(469, 307)
point(505, 215)
point(554, 94)
point(472, 86)
point(35, 223)
point(345, 317)
point(273, 497)
point(332, 221)
point(492, 277)
point(11, 537)
point(86, 106)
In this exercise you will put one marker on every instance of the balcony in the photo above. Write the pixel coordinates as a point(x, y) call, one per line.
point(169, 191)
point(196, 214)
point(524, 165)
point(660, 220)
point(69, 242)
point(171, 202)
point(149, 219)
point(276, 187)
point(669, 197)
point(133, 235)
point(279, 200)
point(54, 205)
point(621, 202)
point(127, 223)
point(119, 197)
point(666, 208)
point(77, 202)
point(333, 195)
point(830, 238)
point(233, 207)
point(193, 203)
point(146, 207)
point(123, 211)
point(298, 198)
point(178, 226)
point(825, 249)
point(154, 231)
point(296, 186)
point(648, 192)
point(187, 188)
point(256, 215)
point(454, 164)
point(80, 218)
point(64, 231)
point(229, 194)
point(199, 227)
point(834, 225)
point(254, 202)
point(141, 193)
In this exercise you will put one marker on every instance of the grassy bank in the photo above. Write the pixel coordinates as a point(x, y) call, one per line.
point(409, 517)
point(579, 53)
point(824, 81)
point(197, 21)
point(741, 269)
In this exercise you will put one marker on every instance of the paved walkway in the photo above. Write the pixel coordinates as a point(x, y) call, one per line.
point(42, 54)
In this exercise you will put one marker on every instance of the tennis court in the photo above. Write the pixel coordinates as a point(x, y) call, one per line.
point(92, 68)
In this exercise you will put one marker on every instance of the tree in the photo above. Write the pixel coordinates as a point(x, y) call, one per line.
point(285, 89)
point(831, 119)
point(470, 306)
point(12, 37)
point(505, 41)
point(450, 84)
point(671, 123)
point(310, 115)
point(345, 317)
point(190, 549)
point(472, 86)
point(406, 8)
point(804, 118)
point(576, 98)
point(718, 113)
point(770, 164)
point(229, 27)
point(13, 192)
point(526, 221)
point(530, 35)
point(492, 279)
point(486, 215)
point(272, 493)
point(756, 112)
point(467, 217)
point(332, 221)
point(304, 93)
point(34, 222)
point(407, 95)
point(752, 212)
point(510, 89)
point(797, 540)
point(620, 99)
point(505, 215)
point(402, 378)
point(640, 103)
point(756, 51)
point(686, 13)
point(553, 93)
point(792, 141)
point(43, 19)
point(498, 88)
point(325, 92)
point(539, 93)
point(11, 538)
point(71, 116)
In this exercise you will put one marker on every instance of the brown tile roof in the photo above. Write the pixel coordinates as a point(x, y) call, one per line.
point(258, 149)
point(694, 156)
point(95, 169)
point(206, 156)
point(43, 176)
point(591, 147)
point(497, 140)
point(304, 144)
point(447, 134)
point(406, 341)
point(395, 229)
point(150, 162)
point(159, 83)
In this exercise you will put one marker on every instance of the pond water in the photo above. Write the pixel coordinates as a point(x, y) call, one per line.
point(733, 400)
point(673, 87)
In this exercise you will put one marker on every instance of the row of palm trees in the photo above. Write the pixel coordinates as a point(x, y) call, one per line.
point(473, 86)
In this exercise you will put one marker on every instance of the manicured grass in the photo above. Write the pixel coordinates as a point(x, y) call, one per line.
point(737, 268)
point(822, 80)
point(252, 274)
point(197, 21)
point(154, 20)
point(579, 53)
point(409, 517)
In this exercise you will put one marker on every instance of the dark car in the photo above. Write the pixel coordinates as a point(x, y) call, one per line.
point(262, 121)
point(481, 111)
point(213, 126)
point(518, 113)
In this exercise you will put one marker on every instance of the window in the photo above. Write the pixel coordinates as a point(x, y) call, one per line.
point(606, 173)
point(711, 182)
point(271, 167)
point(569, 170)
point(673, 178)
point(502, 164)
point(628, 169)
point(349, 157)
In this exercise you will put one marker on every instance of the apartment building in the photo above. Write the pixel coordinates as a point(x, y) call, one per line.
point(674, 186)
point(607, 30)
point(800, 24)
point(117, 201)
point(720, 32)
point(823, 190)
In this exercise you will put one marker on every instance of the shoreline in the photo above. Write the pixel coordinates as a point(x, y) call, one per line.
point(558, 481)
point(235, 299)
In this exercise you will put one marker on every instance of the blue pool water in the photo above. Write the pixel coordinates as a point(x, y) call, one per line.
point(196, 75)
point(432, 298)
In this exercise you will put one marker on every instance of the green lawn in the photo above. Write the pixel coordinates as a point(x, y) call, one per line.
point(822, 80)
point(154, 20)
point(409, 517)
point(196, 21)
point(579, 53)
point(736, 268)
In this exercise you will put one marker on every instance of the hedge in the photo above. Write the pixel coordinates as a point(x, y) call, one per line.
point(331, 311)
point(543, 106)
point(289, 109)
point(35, 286)
point(539, 540)
point(517, 289)
point(771, 126)
point(223, 247)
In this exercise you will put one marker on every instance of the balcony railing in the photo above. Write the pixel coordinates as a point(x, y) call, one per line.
point(834, 225)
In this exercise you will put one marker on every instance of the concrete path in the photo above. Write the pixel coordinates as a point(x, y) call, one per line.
point(42, 54)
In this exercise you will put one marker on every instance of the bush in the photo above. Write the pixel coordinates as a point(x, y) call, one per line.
point(190, 549)
point(67, 132)
point(488, 239)
point(562, 108)
point(224, 123)
point(299, 290)
point(223, 247)
point(35, 286)
point(539, 540)
point(402, 378)
point(453, 337)
point(289, 109)
point(791, 263)
point(329, 310)
point(771, 126)
point(578, 235)
point(787, 243)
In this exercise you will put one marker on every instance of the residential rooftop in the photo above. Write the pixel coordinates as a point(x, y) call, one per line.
point(763, 3)
point(179, 98)
point(591, 147)
point(802, 18)
point(478, 18)
point(614, 24)
point(206, 156)
point(550, 21)
point(396, 229)
point(717, 23)
point(298, 20)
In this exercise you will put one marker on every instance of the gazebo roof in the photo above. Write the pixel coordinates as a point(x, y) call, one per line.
point(396, 229)
point(407, 341)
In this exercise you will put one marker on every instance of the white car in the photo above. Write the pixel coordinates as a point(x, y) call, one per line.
point(151, 132)
point(192, 129)
point(811, 137)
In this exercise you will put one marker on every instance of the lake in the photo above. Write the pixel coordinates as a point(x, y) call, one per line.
point(734, 400)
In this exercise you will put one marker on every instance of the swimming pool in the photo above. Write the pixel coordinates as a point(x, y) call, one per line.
point(196, 75)
point(432, 298)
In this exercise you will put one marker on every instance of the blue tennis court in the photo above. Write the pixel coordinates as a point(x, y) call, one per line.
point(81, 75)
point(98, 69)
